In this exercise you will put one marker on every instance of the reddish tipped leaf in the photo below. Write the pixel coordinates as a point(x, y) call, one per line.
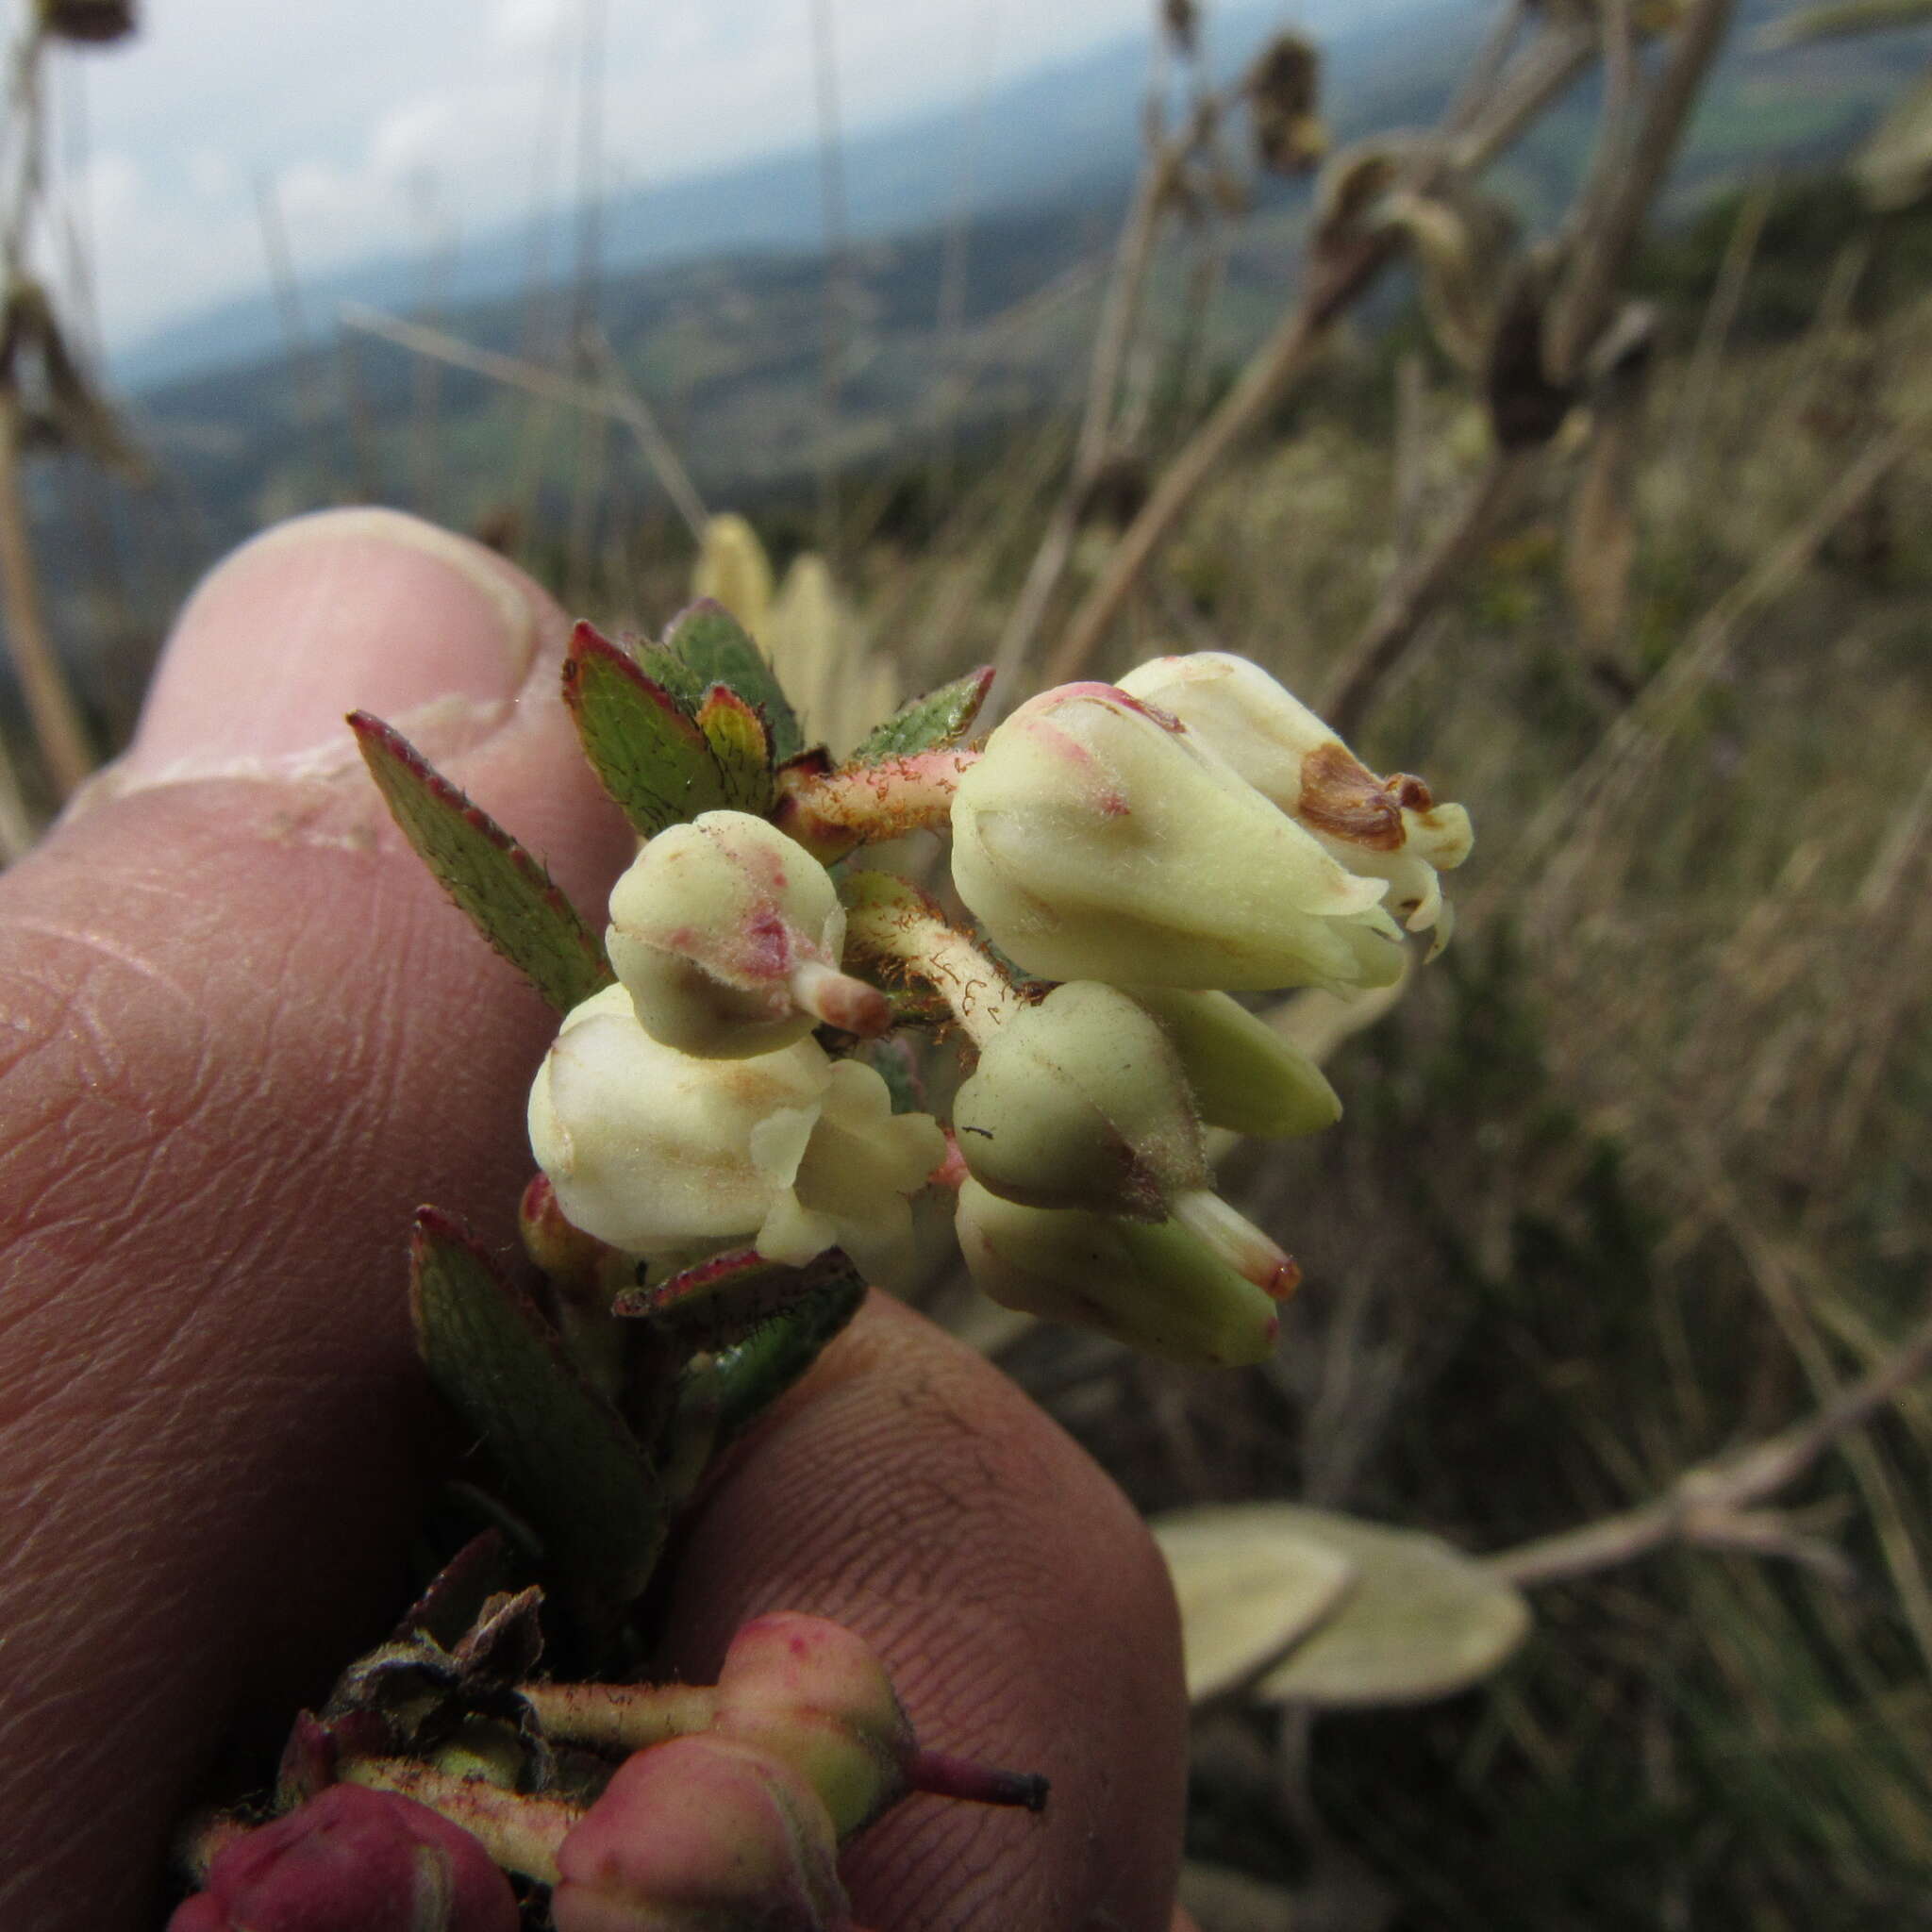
point(930, 722)
point(643, 744)
point(506, 891)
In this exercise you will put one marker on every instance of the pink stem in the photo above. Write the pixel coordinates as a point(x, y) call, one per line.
point(863, 804)
point(946, 1776)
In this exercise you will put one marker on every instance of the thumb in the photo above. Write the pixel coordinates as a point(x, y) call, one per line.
point(242, 1036)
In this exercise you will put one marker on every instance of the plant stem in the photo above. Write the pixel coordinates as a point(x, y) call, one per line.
point(620, 1717)
point(895, 925)
point(522, 1834)
point(831, 813)
point(1702, 1504)
point(1415, 593)
point(49, 701)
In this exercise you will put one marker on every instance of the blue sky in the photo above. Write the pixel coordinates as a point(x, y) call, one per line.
point(400, 125)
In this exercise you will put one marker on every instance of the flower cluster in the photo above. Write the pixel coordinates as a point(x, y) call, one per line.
point(726, 1808)
point(1141, 852)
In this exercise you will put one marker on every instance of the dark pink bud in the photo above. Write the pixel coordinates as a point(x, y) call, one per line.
point(353, 1861)
point(817, 1696)
point(702, 1833)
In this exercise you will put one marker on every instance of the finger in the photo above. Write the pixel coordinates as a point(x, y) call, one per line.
point(909, 1490)
point(242, 1036)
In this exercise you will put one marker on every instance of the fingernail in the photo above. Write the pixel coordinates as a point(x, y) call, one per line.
point(344, 610)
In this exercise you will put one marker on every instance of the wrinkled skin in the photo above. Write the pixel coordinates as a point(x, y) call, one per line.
point(241, 1037)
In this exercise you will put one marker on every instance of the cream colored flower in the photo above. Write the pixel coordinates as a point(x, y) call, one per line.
point(1384, 829)
point(1154, 1285)
point(1096, 840)
point(660, 1153)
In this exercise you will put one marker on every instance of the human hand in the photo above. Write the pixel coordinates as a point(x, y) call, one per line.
point(243, 1037)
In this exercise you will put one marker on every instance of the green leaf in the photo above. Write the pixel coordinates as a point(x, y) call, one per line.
point(1245, 1593)
point(931, 722)
point(740, 1384)
point(1421, 1620)
point(736, 734)
point(566, 1459)
point(645, 746)
point(720, 1301)
point(715, 648)
point(507, 893)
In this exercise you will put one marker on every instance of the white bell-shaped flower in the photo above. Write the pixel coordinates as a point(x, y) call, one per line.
point(1096, 840)
point(1386, 828)
point(660, 1153)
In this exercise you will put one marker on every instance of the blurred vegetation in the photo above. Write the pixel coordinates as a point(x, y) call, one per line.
point(1638, 1171)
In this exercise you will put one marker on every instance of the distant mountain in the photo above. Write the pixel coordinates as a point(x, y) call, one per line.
point(1067, 133)
point(726, 342)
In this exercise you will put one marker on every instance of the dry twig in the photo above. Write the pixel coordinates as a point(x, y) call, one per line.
point(614, 397)
point(1712, 1503)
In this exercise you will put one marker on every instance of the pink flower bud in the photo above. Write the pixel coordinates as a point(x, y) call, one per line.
point(728, 936)
point(817, 1696)
point(702, 1833)
point(353, 1861)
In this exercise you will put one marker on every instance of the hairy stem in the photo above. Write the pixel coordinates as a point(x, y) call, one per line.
point(522, 1835)
point(831, 813)
point(620, 1717)
point(895, 925)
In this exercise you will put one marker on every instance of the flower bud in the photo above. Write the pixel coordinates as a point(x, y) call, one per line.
point(702, 1833)
point(662, 1154)
point(1079, 1102)
point(1154, 1285)
point(1096, 840)
point(1242, 1073)
point(353, 1861)
point(1384, 829)
point(817, 1696)
point(727, 935)
point(577, 1263)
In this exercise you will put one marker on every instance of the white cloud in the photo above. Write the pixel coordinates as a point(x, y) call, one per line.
point(518, 25)
point(353, 106)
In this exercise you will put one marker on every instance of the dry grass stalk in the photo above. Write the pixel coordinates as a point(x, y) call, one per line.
point(1620, 195)
point(613, 398)
point(1603, 784)
point(1703, 1503)
point(63, 742)
point(1416, 591)
point(1334, 280)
